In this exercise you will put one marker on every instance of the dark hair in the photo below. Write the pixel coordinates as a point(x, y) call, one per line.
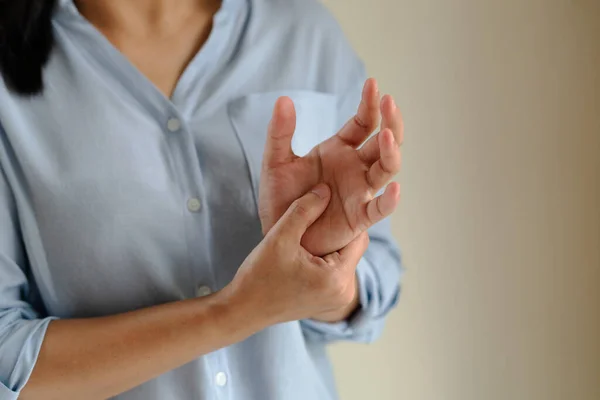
point(26, 40)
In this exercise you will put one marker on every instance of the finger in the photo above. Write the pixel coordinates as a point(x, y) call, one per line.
point(369, 152)
point(278, 147)
point(358, 129)
point(303, 213)
point(382, 206)
point(383, 170)
point(392, 118)
point(352, 253)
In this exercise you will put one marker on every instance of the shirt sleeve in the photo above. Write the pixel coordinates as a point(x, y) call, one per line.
point(379, 271)
point(21, 328)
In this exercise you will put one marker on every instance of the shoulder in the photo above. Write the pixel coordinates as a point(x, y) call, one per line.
point(305, 33)
point(302, 18)
point(297, 13)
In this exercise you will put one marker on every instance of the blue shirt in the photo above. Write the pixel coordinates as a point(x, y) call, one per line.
point(114, 198)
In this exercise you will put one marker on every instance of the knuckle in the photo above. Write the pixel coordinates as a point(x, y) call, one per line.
point(336, 258)
point(327, 260)
point(333, 259)
point(378, 207)
point(391, 166)
point(369, 178)
point(390, 169)
point(277, 248)
point(322, 262)
point(280, 246)
point(300, 210)
point(384, 167)
point(367, 126)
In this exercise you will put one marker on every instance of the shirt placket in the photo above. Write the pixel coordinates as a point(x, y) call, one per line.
point(194, 197)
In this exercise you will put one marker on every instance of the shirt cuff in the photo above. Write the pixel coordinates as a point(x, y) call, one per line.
point(20, 350)
point(7, 394)
point(363, 326)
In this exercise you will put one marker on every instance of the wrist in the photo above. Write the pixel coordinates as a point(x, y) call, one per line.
point(344, 313)
point(237, 314)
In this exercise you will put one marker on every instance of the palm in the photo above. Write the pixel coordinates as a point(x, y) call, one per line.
point(354, 177)
point(338, 165)
point(346, 215)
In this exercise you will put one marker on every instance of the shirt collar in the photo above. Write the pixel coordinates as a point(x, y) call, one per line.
point(226, 5)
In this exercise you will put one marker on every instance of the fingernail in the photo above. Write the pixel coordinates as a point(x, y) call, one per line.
point(321, 190)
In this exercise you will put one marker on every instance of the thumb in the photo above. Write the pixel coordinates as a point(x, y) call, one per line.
point(278, 147)
point(303, 213)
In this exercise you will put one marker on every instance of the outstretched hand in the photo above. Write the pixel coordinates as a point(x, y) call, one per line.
point(354, 173)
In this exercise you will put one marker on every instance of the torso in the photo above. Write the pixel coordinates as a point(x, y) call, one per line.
point(121, 208)
point(161, 52)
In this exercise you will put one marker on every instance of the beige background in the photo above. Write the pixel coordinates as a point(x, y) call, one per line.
point(500, 220)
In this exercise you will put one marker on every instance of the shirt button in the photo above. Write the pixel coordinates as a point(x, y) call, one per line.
point(203, 291)
point(194, 205)
point(221, 379)
point(173, 124)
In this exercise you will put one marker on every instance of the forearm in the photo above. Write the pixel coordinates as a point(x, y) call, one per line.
point(102, 357)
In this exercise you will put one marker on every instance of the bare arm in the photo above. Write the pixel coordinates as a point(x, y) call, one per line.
point(98, 358)
point(280, 281)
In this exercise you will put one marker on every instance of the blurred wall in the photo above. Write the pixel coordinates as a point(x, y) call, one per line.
point(500, 219)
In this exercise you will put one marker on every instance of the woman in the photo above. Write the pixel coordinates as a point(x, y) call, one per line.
point(148, 250)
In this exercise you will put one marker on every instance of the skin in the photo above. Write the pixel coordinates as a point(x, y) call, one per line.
point(141, 29)
point(354, 174)
point(280, 281)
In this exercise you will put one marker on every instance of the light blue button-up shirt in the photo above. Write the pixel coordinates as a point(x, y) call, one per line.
point(114, 198)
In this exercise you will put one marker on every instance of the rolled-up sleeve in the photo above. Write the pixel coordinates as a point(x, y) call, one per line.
point(21, 328)
point(379, 273)
point(380, 269)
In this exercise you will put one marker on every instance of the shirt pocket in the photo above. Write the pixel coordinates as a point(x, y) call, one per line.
point(316, 116)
